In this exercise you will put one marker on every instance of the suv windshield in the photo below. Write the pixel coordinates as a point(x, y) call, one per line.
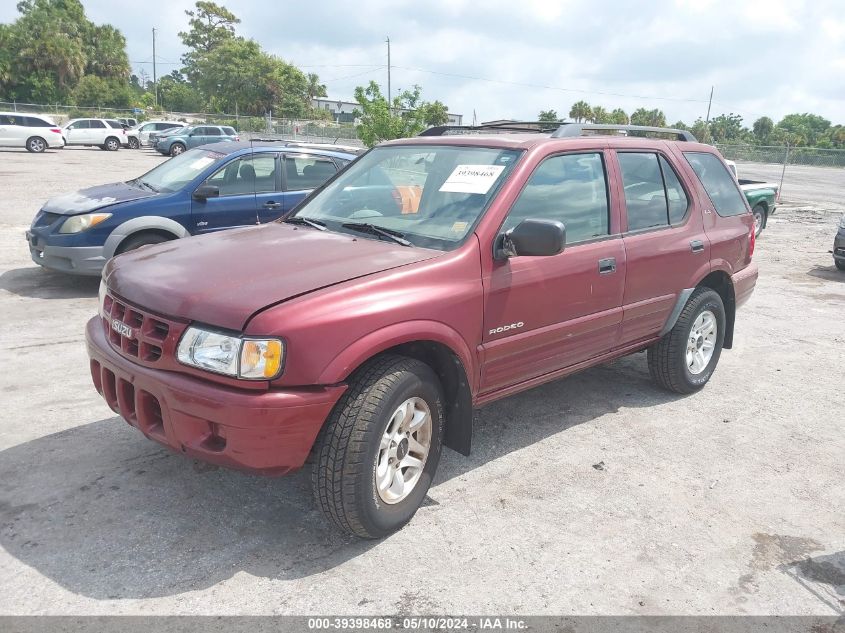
point(430, 195)
point(177, 172)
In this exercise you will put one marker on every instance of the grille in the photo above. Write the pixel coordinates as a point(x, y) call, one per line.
point(138, 407)
point(138, 334)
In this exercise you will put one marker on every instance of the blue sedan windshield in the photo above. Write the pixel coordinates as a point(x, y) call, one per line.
point(177, 172)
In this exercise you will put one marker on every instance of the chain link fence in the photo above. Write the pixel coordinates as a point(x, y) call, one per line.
point(784, 155)
point(316, 131)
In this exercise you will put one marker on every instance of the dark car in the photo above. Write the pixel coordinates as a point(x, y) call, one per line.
point(362, 330)
point(201, 191)
point(839, 245)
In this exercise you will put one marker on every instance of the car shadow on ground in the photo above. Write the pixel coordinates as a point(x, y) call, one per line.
point(107, 514)
point(36, 283)
point(828, 273)
point(822, 576)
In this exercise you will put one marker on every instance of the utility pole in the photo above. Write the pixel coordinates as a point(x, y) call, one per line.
point(155, 83)
point(389, 102)
point(709, 103)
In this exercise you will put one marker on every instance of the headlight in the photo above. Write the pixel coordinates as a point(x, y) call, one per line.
point(254, 359)
point(77, 223)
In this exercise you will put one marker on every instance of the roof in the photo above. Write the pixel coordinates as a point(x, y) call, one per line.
point(277, 146)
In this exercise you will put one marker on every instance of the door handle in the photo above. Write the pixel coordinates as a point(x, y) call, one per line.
point(272, 205)
point(607, 266)
point(697, 246)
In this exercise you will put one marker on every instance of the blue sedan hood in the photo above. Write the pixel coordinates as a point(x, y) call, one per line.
point(94, 198)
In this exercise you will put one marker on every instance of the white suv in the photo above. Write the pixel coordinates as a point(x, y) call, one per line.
point(108, 134)
point(34, 132)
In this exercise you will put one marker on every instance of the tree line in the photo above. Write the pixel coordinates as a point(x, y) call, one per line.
point(798, 130)
point(52, 54)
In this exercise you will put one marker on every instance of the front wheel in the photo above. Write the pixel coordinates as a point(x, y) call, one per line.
point(36, 144)
point(759, 214)
point(133, 143)
point(176, 149)
point(379, 450)
point(685, 358)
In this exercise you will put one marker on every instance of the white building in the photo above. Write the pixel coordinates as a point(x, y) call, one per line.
point(342, 111)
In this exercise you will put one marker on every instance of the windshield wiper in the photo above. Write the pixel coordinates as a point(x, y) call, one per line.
point(144, 185)
point(298, 219)
point(365, 227)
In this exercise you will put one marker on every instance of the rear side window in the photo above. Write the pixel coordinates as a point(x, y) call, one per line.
point(230, 131)
point(115, 124)
point(305, 172)
point(720, 186)
point(572, 189)
point(212, 131)
point(654, 196)
point(32, 121)
point(94, 123)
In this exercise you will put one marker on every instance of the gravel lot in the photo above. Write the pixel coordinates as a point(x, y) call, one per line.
point(594, 494)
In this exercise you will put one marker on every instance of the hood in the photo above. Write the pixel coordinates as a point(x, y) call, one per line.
point(94, 198)
point(224, 278)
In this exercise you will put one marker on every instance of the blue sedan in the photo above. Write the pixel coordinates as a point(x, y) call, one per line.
point(206, 189)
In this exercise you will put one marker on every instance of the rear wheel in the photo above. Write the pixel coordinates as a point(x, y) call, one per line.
point(176, 149)
point(378, 452)
point(759, 213)
point(685, 358)
point(36, 144)
point(112, 144)
point(137, 241)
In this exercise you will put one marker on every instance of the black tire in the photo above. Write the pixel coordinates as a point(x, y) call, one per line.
point(133, 143)
point(137, 241)
point(840, 264)
point(112, 144)
point(667, 360)
point(760, 217)
point(177, 148)
point(347, 450)
point(36, 144)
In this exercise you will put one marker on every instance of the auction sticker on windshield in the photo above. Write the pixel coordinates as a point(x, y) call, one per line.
point(472, 178)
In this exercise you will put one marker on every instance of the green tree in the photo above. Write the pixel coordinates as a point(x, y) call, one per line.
point(619, 116)
point(804, 129)
point(381, 121)
point(762, 129)
point(701, 130)
point(435, 113)
point(727, 128)
point(581, 111)
point(211, 26)
point(653, 118)
point(315, 88)
point(548, 116)
point(600, 115)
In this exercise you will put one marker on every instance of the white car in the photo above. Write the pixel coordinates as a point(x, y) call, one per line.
point(107, 134)
point(32, 131)
point(142, 132)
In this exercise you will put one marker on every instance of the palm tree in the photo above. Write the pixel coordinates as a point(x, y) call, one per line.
point(315, 88)
point(619, 117)
point(581, 111)
point(600, 115)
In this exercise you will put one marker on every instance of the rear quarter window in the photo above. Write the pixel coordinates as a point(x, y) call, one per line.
point(720, 185)
point(230, 131)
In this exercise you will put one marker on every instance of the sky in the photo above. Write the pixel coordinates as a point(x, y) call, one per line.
point(505, 59)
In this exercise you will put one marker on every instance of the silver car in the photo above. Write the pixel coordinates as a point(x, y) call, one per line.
point(143, 130)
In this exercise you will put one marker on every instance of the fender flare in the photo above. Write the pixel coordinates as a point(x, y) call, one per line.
point(382, 339)
point(143, 223)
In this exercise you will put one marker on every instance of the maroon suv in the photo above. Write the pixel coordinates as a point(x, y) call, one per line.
point(433, 275)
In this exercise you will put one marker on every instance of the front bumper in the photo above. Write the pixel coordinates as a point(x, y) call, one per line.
point(76, 260)
point(264, 432)
point(839, 246)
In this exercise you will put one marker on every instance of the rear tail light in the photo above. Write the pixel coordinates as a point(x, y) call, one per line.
point(237, 138)
point(56, 130)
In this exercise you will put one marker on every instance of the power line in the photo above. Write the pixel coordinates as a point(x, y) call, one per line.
point(366, 72)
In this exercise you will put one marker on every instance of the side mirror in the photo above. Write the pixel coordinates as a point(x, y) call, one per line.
point(536, 238)
point(204, 192)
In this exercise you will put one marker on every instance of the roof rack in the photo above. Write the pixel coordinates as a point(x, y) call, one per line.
point(577, 129)
point(310, 145)
point(504, 127)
